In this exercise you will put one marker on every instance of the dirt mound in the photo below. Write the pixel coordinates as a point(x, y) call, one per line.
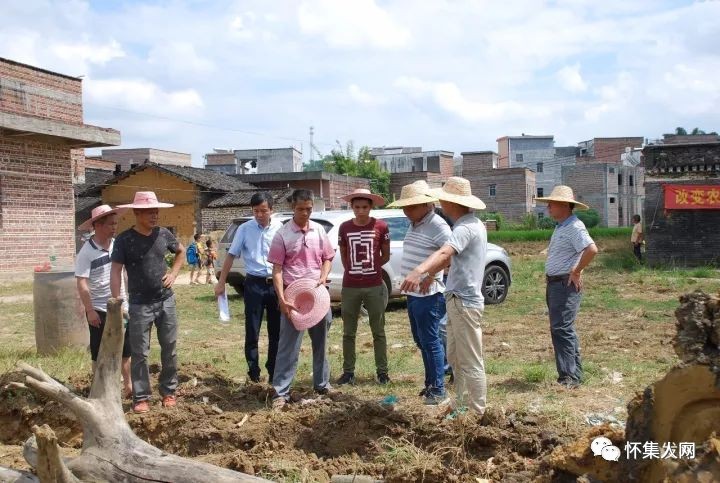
point(229, 424)
point(682, 407)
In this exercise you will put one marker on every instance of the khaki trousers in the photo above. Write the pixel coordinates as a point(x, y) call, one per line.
point(465, 354)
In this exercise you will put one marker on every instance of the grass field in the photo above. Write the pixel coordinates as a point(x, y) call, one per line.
point(626, 325)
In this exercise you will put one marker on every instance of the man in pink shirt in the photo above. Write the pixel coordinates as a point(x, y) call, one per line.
point(300, 250)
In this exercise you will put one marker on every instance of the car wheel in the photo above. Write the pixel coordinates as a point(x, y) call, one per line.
point(495, 284)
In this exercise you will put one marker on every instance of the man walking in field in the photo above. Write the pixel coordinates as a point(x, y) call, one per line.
point(571, 250)
point(426, 305)
point(465, 251)
point(637, 237)
point(365, 247)
point(141, 250)
point(252, 241)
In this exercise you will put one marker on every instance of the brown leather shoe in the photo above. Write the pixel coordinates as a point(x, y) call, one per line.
point(141, 407)
point(169, 401)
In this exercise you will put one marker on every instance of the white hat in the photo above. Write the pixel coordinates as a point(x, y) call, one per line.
point(563, 194)
point(457, 190)
point(413, 194)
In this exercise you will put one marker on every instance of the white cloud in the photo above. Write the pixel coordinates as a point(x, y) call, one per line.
point(355, 24)
point(449, 97)
point(180, 58)
point(363, 97)
point(570, 78)
point(619, 96)
point(85, 51)
point(142, 96)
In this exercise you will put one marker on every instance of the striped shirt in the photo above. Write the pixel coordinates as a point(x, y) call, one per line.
point(301, 253)
point(568, 241)
point(422, 240)
point(93, 263)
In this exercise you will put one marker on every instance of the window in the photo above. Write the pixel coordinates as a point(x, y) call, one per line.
point(397, 226)
point(492, 189)
point(539, 167)
point(620, 180)
point(541, 192)
point(631, 180)
point(612, 199)
point(519, 158)
point(540, 215)
point(612, 170)
point(433, 164)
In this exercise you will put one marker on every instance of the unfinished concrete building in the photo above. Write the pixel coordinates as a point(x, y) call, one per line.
point(127, 159)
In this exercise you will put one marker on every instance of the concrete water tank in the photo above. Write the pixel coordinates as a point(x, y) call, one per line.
point(59, 313)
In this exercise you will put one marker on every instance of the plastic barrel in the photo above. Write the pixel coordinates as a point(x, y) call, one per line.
point(59, 313)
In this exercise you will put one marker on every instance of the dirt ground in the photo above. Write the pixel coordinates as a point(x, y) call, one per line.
point(626, 327)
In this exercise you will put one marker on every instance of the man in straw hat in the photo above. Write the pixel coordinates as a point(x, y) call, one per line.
point(300, 250)
point(425, 305)
point(364, 247)
point(466, 250)
point(571, 250)
point(141, 250)
point(92, 272)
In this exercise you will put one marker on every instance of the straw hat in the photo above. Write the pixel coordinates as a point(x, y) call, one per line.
point(311, 300)
point(96, 214)
point(364, 193)
point(563, 194)
point(457, 190)
point(413, 194)
point(145, 200)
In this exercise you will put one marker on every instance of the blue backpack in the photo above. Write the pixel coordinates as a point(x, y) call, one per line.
point(191, 255)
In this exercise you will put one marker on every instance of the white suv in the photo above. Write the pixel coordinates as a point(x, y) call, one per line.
point(497, 266)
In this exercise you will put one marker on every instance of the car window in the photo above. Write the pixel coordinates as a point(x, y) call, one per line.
point(230, 233)
point(398, 226)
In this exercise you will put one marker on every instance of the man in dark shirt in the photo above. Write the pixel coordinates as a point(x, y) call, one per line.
point(141, 250)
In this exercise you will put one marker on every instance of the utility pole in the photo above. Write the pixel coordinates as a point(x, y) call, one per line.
point(312, 131)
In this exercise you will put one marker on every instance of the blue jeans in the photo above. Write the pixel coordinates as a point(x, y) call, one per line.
point(425, 314)
point(563, 302)
point(260, 297)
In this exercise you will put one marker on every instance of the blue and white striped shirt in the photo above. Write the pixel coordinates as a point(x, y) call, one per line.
point(422, 240)
point(568, 241)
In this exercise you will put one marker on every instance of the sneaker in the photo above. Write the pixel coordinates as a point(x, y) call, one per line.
point(279, 403)
point(435, 399)
point(323, 391)
point(383, 378)
point(141, 407)
point(423, 392)
point(169, 401)
point(346, 378)
point(569, 383)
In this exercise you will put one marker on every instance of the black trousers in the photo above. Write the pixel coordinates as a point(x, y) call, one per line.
point(260, 296)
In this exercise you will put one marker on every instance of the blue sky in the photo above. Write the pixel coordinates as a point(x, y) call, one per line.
point(456, 74)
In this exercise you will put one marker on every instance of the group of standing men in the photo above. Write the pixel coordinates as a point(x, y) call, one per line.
point(277, 254)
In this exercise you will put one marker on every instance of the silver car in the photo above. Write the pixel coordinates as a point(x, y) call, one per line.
point(497, 266)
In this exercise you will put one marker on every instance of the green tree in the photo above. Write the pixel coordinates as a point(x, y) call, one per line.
point(589, 217)
point(680, 131)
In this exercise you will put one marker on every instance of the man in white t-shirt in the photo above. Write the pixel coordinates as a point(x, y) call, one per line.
point(637, 237)
point(92, 271)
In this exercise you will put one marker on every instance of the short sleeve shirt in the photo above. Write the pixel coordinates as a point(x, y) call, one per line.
point(93, 263)
point(567, 243)
point(363, 245)
point(422, 240)
point(300, 252)
point(252, 241)
point(467, 268)
point(636, 232)
point(144, 260)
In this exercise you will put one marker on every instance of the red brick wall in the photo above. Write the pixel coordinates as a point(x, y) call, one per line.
point(514, 191)
point(331, 190)
point(474, 163)
point(398, 180)
point(36, 205)
point(608, 150)
point(503, 152)
point(35, 92)
point(447, 165)
point(99, 163)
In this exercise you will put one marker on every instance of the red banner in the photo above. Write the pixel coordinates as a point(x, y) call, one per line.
point(692, 197)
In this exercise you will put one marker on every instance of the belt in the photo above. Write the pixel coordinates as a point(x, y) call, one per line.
point(267, 280)
point(557, 278)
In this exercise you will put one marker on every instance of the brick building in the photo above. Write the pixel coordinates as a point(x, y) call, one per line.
point(97, 162)
point(398, 180)
point(189, 189)
point(42, 136)
point(129, 158)
point(406, 160)
point(220, 212)
point(255, 161)
point(327, 187)
point(510, 191)
point(689, 139)
point(685, 237)
point(606, 150)
point(474, 162)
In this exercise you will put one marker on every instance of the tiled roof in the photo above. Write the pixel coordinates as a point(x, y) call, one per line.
point(85, 202)
point(204, 178)
point(242, 198)
point(95, 179)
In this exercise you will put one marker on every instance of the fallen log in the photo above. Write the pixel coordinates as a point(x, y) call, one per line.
point(111, 451)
